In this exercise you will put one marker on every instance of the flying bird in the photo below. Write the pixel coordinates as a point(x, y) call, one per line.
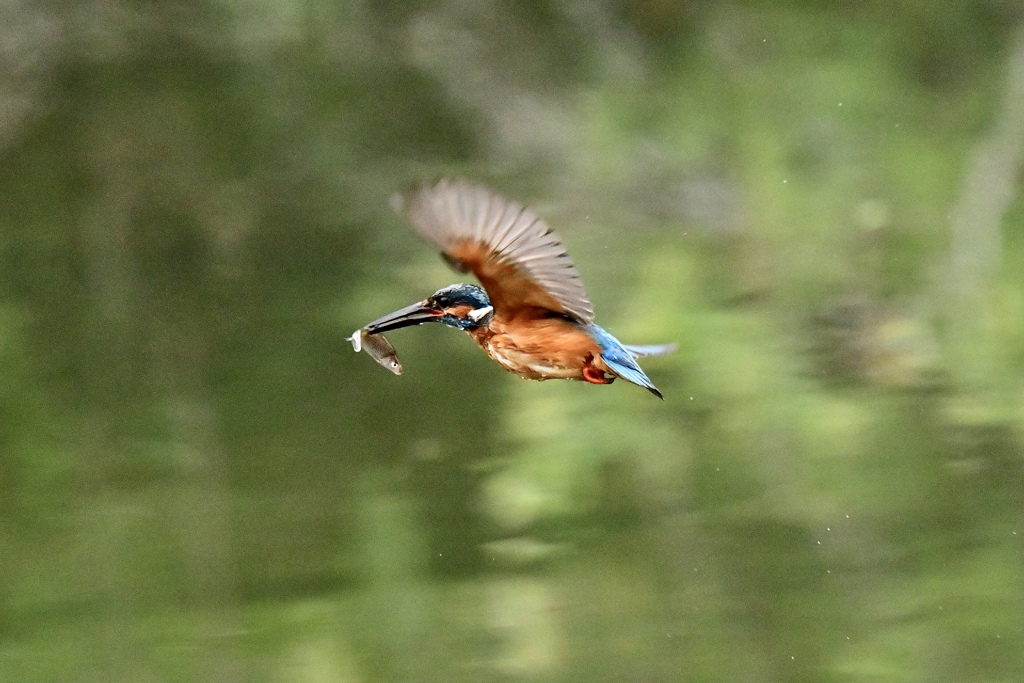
point(532, 314)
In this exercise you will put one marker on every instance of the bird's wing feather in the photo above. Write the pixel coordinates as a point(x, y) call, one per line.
point(509, 248)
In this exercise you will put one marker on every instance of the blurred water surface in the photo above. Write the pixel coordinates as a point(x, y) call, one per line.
point(819, 202)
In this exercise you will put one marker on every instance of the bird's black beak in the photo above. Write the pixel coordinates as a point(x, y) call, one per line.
point(416, 314)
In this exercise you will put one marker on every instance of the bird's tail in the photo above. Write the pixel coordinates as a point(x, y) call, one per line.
point(652, 350)
point(621, 359)
point(631, 372)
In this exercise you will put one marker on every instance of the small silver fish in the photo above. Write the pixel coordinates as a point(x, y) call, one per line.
point(377, 347)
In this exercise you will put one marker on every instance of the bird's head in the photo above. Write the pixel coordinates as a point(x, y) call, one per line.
point(465, 307)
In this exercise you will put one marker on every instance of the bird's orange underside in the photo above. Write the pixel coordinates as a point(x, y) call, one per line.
point(519, 342)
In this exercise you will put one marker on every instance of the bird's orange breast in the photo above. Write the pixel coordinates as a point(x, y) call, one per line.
point(544, 348)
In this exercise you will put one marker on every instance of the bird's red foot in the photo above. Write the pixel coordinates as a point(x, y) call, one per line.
point(595, 376)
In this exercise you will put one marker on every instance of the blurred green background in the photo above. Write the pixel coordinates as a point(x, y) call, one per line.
point(818, 201)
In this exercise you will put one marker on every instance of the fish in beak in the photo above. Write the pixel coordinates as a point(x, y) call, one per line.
point(378, 348)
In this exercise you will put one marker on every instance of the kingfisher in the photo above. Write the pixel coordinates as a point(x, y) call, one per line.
point(532, 314)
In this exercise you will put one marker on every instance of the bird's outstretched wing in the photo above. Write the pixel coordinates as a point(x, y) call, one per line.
point(507, 246)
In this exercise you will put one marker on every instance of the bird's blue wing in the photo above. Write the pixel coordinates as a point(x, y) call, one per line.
point(620, 360)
